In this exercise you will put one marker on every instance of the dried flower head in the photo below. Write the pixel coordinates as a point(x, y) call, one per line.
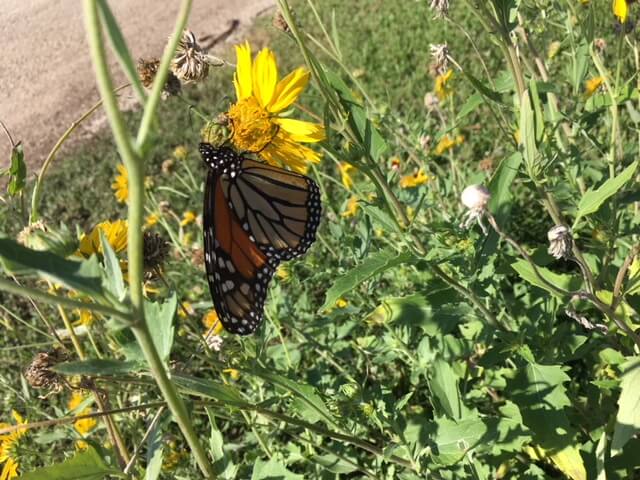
point(147, 71)
point(191, 63)
point(441, 7)
point(280, 22)
point(440, 55)
point(29, 236)
point(155, 250)
point(475, 198)
point(560, 241)
point(431, 102)
point(39, 374)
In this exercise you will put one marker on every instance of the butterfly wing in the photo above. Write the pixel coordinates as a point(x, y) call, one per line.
point(280, 210)
point(237, 270)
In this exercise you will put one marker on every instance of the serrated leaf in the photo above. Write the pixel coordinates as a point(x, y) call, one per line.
point(373, 265)
point(564, 281)
point(159, 318)
point(628, 417)
point(85, 465)
point(592, 200)
point(83, 276)
point(95, 367)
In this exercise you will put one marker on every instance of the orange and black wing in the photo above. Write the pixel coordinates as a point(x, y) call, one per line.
point(278, 209)
point(238, 271)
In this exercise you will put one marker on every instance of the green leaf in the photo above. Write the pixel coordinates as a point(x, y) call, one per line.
point(17, 170)
point(155, 452)
point(114, 281)
point(369, 137)
point(454, 439)
point(96, 366)
point(628, 417)
point(470, 106)
point(333, 463)
point(380, 217)
point(526, 272)
point(120, 48)
point(83, 276)
point(208, 389)
point(592, 200)
point(373, 265)
point(601, 454)
point(306, 393)
point(272, 470)
point(85, 465)
point(443, 383)
point(528, 132)
point(222, 462)
point(159, 318)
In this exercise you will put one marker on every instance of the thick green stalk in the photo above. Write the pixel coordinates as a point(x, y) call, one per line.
point(135, 168)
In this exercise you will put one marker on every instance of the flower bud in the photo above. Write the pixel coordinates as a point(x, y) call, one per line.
point(560, 241)
point(475, 197)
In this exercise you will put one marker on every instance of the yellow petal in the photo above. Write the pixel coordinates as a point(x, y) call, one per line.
point(289, 89)
point(265, 76)
point(242, 77)
point(281, 151)
point(301, 131)
point(621, 10)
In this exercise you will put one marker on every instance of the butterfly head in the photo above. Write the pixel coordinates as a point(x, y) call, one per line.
point(218, 158)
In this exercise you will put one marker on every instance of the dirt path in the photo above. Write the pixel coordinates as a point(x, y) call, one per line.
point(46, 78)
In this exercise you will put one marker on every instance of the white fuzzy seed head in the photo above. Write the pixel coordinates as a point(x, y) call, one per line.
point(475, 197)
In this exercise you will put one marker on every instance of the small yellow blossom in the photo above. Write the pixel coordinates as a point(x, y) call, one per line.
point(446, 143)
point(85, 425)
point(114, 232)
point(592, 85)
point(187, 218)
point(233, 373)
point(180, 152)
point(256, 119)
point(517, 137)
point(121, 184)
point(189, 310)
point(443, 88)
point(211, 321)
point(352, 207)
point(414, 180)
point(174, 457)
point(621, 10)
point(341, 303)
point(8, 451)
point(151, 220)
point(85, 317)
point(345, 174)
point(283, 272)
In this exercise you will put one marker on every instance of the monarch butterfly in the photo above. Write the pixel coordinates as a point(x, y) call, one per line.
point(255, 216)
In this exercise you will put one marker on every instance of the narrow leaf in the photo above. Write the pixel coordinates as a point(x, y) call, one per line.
point(17, 170)
point(628, 418)
point(96, 367)
point(592, 200)
point(159, 318)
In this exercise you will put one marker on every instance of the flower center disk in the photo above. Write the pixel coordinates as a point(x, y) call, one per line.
point(253, 128)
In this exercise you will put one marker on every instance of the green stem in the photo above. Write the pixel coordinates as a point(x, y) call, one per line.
point(135, 168)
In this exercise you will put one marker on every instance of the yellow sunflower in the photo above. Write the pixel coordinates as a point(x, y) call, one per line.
point(120, 185)
point(257, 118)
point(115, 233)
point(621, 10)
point(8, 451)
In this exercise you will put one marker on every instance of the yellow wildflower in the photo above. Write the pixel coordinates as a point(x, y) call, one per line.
point(352, 207)
point(443, 88)
point(189, 310)
point(282, 272)
point(121, 184)
point(446, 143)
point(211, 321)
point(255, 120)
point(621, 10)
point(233, 373)
point(85, 317)
point(180, 152)
point(114, 232)
point(8, 443)
point(414, 180)
point(187, 218)
point(174, 457)
point(341, 303)
point(85, 425)
point(592, 85)
point(151, 220)
point(345, 174)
